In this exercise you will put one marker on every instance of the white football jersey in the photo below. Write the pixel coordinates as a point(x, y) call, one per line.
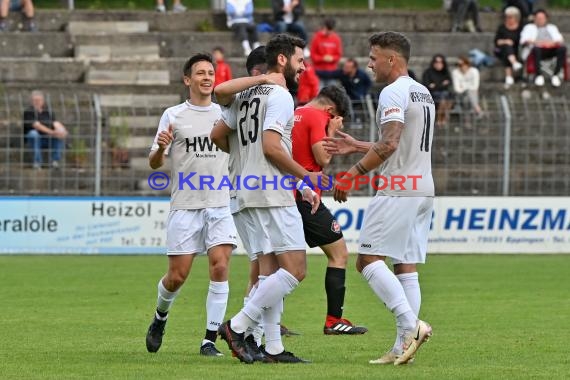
point(229, 114)
point(410, 103)
point(258, 109)
point(192, 151)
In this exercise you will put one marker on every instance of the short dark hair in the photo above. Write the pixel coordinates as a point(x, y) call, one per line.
point(255, 58)
point(329, 23)
point(336, 95)
point(392, 40)
point(281, 44)
point(218, 48)
point(353, 61)
point(540, 10)
point(195, 59)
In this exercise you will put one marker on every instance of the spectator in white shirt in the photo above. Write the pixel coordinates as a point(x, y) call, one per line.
point(465, 80)
point(544, 41)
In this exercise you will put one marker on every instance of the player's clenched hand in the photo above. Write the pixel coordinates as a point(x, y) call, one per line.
point(319, 180)
point(334, 125)
point(165, 138)
point(345, 144)
point(313, 199)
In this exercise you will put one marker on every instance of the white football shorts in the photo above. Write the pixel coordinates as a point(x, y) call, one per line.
point(196, 231)
point(275, 229)
point(397, 227)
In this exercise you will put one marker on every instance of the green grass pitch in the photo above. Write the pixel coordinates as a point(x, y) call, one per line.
point(494, 317)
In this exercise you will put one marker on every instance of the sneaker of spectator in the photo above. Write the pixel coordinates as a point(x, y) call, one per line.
point(179, 8)
point(24, 6)
point(161, 8)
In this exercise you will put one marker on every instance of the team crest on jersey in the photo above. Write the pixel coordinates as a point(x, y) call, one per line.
point(391, 110)
point(335, 227)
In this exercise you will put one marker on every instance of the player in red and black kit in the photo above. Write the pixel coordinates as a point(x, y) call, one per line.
point(318, 119)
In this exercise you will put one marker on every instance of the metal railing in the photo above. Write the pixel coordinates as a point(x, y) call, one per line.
point(521, 146)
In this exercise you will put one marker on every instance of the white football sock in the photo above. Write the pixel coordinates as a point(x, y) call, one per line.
point(271, 324)
point(411, 286)
point(216, 303)
point(387, 287)
point(165, 299)
point(257, 331)
point(269, 293)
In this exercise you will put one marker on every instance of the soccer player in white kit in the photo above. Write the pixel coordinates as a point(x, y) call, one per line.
point(396, 223)
point(264, 123)
point(224, 135)
point(199, 218)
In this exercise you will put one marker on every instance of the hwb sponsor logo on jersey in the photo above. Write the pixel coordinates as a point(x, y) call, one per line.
point(200, 144)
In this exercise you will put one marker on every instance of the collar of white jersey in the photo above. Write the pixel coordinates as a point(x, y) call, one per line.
point(198, 108)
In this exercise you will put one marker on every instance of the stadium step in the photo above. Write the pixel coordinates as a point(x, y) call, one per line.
point(117, 51)
point(360, 20)
point(106, 27)
point(135, 77)
point(138, 100)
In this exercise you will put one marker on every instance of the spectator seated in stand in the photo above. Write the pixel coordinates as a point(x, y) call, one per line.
point(507, 44)
point(438, 81)
point(355, 81)
point(239, 15)
point(543, 40)
point(465, 80)
point(24, 6)
point(43, 131)
point(287, 17)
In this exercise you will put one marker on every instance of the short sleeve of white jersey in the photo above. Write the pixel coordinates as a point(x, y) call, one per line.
point(393, 102)
point(162, 126)
point(229, 114)
point(279, 111)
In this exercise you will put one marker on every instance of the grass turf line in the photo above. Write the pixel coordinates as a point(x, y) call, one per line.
point(494, 317)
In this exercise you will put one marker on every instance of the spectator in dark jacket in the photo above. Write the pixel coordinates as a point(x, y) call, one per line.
point(287, 16)
point(354, 80)
point(438, 81)
point(507, 43)
point(43, 131)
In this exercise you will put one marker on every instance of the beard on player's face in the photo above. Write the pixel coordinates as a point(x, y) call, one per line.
point(290, 75)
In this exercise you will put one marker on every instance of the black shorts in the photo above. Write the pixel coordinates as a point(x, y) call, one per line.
point(321, 227)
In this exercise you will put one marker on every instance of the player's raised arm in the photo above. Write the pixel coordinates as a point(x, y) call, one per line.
point(376, 155)
point(226, 91)
point(160, 147)
point(343, 143)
